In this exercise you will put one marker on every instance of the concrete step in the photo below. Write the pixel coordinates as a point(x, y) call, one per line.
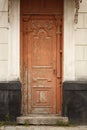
point(41, 120)
point(43, 128)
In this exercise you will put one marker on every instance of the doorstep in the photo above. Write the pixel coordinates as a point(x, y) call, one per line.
point(41, 120)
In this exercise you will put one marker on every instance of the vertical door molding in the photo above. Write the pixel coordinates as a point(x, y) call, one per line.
point(69, 43)
point(14, 41)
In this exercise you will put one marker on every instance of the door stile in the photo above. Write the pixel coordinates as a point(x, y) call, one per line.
point(58, 60)
point(25, 65)
point(55, 69)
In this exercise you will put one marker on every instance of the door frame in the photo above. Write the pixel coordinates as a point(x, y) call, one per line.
point(59, 97)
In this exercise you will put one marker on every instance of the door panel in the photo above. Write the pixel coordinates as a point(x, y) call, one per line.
point(41, 62)
point(41, 6)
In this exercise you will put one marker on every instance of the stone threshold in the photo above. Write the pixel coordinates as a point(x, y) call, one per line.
point(41, 120)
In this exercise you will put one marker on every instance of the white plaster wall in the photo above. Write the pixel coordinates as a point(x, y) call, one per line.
point(9, 40)
point(3, 39)
point(81, 43)
point(75, 41)
point(69, 43)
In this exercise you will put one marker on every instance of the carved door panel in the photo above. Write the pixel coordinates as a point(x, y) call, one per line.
point(40, 64)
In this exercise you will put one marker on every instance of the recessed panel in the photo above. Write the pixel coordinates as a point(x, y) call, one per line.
point(41, 97)
point(42, 42)
point(41, 6)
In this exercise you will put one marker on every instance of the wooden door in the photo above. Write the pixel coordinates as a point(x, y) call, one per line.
point(41, 64)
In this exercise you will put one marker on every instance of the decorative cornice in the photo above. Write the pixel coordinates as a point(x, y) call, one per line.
point(77, 6)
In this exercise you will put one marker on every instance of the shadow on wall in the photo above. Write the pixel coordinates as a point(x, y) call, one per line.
point(75, 101)
point(10, 100)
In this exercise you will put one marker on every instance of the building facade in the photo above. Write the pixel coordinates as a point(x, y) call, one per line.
point(34, 65)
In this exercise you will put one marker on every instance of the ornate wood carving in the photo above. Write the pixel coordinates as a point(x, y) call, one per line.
point(37, 27)
point(77, 6)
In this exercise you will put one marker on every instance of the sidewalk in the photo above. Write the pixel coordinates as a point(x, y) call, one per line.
point(42, 128)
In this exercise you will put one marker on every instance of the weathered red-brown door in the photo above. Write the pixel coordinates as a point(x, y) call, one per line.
point(41, 48)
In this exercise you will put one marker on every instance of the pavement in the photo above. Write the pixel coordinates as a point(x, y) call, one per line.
point(42, 128)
